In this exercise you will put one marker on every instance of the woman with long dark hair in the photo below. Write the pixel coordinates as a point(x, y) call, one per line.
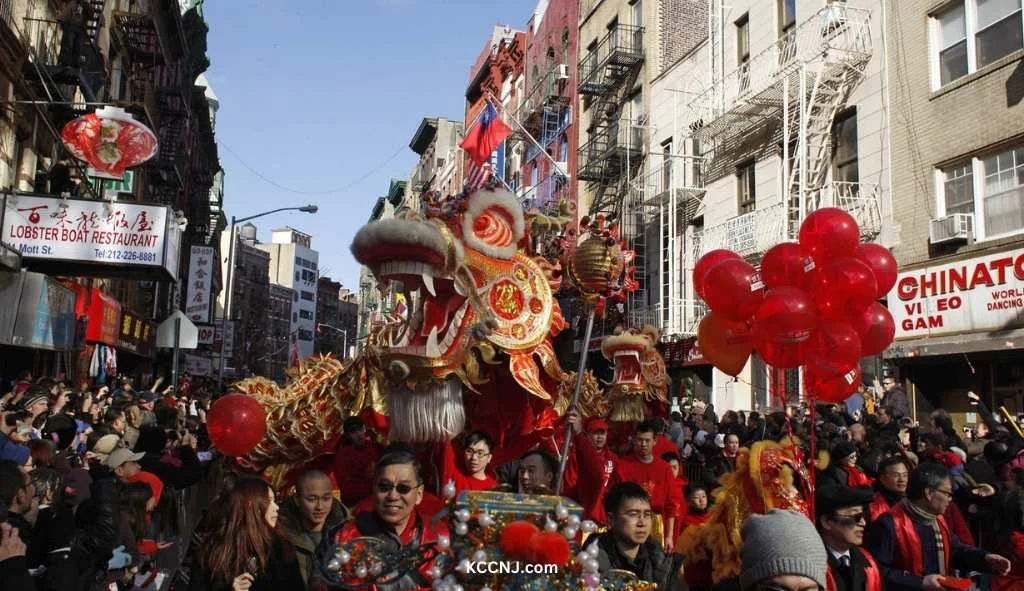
point(239, 550)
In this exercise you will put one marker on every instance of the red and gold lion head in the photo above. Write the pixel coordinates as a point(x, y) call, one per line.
point(640, 376)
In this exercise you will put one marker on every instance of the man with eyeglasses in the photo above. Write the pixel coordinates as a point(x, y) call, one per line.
point(890, 487)
point(894, 398)
point(471, 472)
point(395, 520)
point(628, 545)
point(913, 544)
point(842, 518)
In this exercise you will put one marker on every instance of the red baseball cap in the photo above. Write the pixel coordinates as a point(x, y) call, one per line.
point(596, 424)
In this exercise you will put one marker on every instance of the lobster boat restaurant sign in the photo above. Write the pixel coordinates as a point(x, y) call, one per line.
point(979, 294)
point(88, 237)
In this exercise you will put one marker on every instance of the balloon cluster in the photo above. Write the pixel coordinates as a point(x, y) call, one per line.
point(813, 304)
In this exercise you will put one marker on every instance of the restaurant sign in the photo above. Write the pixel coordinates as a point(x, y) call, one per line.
point(979, 294)
point(136, 335)
point(107, 235)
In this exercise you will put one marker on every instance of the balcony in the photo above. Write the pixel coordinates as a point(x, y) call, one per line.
point(618, 54)
point(679, 176)
point(836, 37)
point(859, 199)
point(545, 96)
point(155, 37)
point(545, 195)
point(749, 234)
point(679, 318)
point(610, 150)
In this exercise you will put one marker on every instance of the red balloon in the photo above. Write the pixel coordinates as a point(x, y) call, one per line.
point(837, 349)
point(783, 329)
point(236, 424)
point(705, 263)
point(882, 264)
point(787, 265)
point(733, 288)
point(832, 388)
point(843, 288)
point(726, 344)
point(829, 233)
point(876, 329)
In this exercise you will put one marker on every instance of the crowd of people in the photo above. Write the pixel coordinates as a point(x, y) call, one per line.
point(89, 476)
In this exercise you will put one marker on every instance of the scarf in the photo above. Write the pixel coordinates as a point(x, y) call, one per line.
point(919, 515)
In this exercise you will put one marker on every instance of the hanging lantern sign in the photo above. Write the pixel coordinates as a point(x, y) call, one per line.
point(110, 140)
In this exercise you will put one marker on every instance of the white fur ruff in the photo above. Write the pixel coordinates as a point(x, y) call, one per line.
point(432, 415)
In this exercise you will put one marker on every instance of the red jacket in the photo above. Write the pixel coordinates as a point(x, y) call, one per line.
point(419, 532)
point(353, 470)
point(596, 468)
point(873, 576)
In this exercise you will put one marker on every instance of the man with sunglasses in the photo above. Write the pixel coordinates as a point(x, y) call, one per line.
point(842, 518)
point(914, 546)
point(395, 520)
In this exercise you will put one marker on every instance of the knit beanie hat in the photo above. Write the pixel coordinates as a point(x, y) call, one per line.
point(781, 543)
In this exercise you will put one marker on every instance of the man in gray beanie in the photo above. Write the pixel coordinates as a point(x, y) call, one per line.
point(782, 552)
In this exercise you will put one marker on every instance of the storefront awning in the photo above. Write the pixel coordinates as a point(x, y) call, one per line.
point(955, 344)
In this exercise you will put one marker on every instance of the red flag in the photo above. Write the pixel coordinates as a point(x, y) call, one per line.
point(486, 136)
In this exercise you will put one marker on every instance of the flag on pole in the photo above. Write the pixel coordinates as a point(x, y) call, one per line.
point(485, 136)
point(478, 176)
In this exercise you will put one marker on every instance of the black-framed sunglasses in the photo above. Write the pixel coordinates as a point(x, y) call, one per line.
point(848, 520)
point(385, 487)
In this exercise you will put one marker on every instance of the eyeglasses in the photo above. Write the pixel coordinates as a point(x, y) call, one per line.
point(476, 453)
point(384, 487)
point(947, 493)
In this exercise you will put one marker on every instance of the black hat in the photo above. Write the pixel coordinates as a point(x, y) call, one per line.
point(830, 498)
point(843, 449)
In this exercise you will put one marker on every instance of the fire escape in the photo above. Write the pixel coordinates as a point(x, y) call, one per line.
point(796, 86)
point(154, 47)
point(543, 116)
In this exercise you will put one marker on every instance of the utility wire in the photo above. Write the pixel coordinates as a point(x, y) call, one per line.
point(300, 192)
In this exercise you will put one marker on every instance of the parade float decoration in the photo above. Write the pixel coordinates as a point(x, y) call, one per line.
point(813, 304)
point(474, 341)
point(640, 377)
point(768, 476)
point(110, 140)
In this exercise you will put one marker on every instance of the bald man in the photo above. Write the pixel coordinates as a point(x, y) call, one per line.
point(306, 514)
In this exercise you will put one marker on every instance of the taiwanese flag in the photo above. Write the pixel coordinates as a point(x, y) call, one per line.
point(486, 136)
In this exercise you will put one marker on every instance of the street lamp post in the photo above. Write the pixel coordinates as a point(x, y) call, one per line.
point(229, 280)
point(344, 338)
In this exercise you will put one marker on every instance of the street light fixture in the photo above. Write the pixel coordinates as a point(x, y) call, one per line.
point(344, 341)
point(229, 280)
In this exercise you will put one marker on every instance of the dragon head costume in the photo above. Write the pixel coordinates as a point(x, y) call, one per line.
point(768, 476)
point(639, 375)
point(473, 337)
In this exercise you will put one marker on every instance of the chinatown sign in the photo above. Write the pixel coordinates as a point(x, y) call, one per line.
point(112, 237)
point(978, 294)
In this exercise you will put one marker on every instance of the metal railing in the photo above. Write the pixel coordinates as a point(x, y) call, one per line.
point(619, 51)
point(747, 234)
point(603, 154)
point(859, 199)
point(836, 35)
point(545, 194)
point(683, 322)
point(682, 173)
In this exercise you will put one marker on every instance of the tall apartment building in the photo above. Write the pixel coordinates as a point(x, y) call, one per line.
point(958, 172)
point(294, 264)
point(545, 135)
point(777, 108)
point(439, 168)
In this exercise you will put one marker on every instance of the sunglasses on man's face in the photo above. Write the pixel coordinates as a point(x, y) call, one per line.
point(384, 487)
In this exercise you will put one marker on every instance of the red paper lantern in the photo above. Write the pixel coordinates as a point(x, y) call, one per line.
point(843, 288)
point(876, 329)
point(784, 327)
point(725, 343)
point(236, 424)
point(787, 265)
point(829, 233)
point(882, 264)
point(733, 288)
point(110, 140)
point(705, 263)
point(832, 388)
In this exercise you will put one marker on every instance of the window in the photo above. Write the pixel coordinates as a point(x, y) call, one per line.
point(305, 335)
point(996, 28)
point(844, 140)
point(306, 314)
point(666, 165)
point(1004, 192)
point(295, 317)
point(565, 46)
point(743, 50)
point(307, 295)
point(745, 187)
point(297, 275)
point(638, 13)
point(563, 148)
point(990, 186)
point(787, 17)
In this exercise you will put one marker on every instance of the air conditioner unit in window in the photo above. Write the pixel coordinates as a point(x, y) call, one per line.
point(562, 73)
point(953, 227)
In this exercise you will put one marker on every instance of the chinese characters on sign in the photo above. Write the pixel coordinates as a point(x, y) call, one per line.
point(104, 314)
point(137, 335)
point(83, 231)
point(200, 283)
